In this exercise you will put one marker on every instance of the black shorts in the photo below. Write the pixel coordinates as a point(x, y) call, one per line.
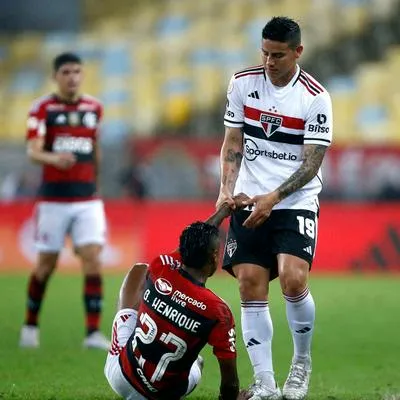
point(285, 231)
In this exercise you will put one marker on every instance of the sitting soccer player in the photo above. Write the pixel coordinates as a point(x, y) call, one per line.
point(166, 316)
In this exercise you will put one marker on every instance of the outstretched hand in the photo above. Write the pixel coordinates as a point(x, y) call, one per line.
point(235, 203)
point(263, 205)
point(243, 395)
point(240, 200)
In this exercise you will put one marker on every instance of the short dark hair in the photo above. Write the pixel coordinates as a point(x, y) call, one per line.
point(197, 243)
point(65, 58)
point(283, 29)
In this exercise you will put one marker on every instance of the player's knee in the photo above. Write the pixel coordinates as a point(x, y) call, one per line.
point(293, 282)
point(251, 288)
point(91, 266)
point(90, 256)
point(45, 266)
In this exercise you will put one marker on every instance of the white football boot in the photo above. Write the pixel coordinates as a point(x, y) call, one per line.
point(260, 391)
point(29, 337)
point(96, 340)
point(296, 385)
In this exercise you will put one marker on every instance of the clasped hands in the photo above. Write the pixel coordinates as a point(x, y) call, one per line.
point(261, 206)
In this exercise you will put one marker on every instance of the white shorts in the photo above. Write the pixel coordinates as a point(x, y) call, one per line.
point(84, 221)
point(122, 328)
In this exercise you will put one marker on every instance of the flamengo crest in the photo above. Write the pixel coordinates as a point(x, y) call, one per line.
point(270, 123)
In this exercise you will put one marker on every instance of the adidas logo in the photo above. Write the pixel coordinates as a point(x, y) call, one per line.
point(308, 250)
point(254, 95)
point(252, 342)
point(304, 330)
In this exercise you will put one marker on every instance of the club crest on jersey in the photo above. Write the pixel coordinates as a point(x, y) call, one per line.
point(163, 286)
point(270, 123)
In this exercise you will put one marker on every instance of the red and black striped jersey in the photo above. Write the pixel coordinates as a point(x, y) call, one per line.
point(177, 316)
point(72, 128)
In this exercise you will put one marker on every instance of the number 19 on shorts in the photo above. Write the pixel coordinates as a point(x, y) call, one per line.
point(306, 226)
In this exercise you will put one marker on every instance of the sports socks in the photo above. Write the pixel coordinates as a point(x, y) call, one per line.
point(257, 333)
point(300, 312)
point(93, 294)
point(36, 290)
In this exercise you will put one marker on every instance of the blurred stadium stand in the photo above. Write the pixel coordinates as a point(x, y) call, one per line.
point(163, 67)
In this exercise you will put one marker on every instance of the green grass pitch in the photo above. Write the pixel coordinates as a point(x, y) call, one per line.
point(356, 350)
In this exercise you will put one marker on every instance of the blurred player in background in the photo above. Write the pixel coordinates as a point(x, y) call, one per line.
point(278, 123)
point(176, 316)
point(63, 137)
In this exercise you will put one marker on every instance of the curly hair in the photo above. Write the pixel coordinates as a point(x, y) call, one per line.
point(197, 243)
point(283, 29)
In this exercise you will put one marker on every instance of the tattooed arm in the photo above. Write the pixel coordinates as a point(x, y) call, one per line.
point(230, 160)
point(312, 159)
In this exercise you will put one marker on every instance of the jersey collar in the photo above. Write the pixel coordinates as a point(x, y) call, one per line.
point(186, 275)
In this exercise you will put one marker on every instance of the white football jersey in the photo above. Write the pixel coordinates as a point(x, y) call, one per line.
point(276, 123)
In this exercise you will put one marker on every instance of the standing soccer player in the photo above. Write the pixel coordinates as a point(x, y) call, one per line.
point(278, 123)
point(63, 137)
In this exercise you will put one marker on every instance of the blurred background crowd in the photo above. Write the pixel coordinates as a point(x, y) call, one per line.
point(162, 67)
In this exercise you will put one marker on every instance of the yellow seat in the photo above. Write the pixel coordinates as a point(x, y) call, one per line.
point(372, 83)
point(344, 118)
point(206, 88)
point(25, 47)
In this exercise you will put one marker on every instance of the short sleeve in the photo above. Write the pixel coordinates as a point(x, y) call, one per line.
point(318, 126)
point(234, 112)
point(223, 337)
point(100, 113)
point(36, 122)
point(171, 260)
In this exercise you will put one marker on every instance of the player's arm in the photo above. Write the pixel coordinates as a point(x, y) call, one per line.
point(132, 287)
point(97, 153)
point(224, 210)
point(313, 155)
point(97, 161)
point(36, 133)
point(37, 154)
point(230, 160)
point(316, 142)
point(229, 387)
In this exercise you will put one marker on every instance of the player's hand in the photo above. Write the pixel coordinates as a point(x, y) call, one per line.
point(64, 160)
point(243, 395)
point(262, 209)
point(239, 200)
point(225, 197)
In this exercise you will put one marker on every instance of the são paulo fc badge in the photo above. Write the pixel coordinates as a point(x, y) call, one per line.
point(270, 123)
point(231, 247)
point(73, 118)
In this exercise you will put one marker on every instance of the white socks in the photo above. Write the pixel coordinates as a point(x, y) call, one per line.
point(300, 312)
point(257, 336)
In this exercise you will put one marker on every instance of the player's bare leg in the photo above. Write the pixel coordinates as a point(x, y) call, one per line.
point(93, 295)
point(300, 310)
point(257, 329)
point(45, 266)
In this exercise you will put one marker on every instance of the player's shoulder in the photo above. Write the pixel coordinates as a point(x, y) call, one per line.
point(41, 102)
point(252, 72)
point(310, 85)
point(170, 260)
point(90, 100)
